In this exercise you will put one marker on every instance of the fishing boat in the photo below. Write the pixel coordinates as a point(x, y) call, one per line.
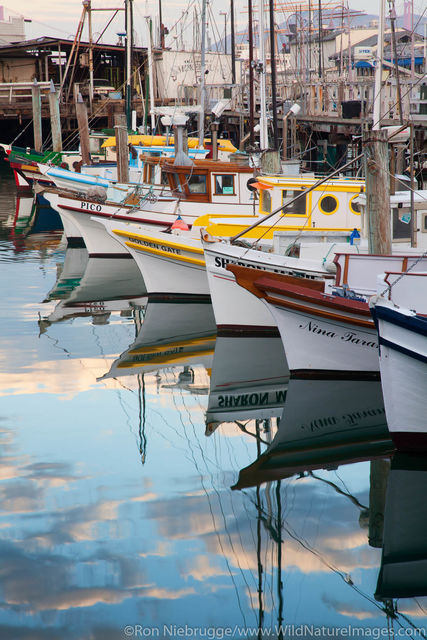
point(24, 160)
point(171, 264)
point(213, 188)
point(236, 309)
point(326, 328)
point(180, 263)
point(105, 176)
point(401, 323)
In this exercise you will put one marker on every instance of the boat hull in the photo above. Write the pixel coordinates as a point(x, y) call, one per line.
point(314, 345)
point(236, 310)
point(321, 333)
point(171, 265)
point(403, 365)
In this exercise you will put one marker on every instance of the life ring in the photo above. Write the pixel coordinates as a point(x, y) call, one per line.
point(250, 182)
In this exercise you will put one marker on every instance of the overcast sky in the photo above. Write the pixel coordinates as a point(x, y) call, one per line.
point(61, 17)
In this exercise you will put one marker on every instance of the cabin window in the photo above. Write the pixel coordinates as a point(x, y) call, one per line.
point(150, 175)
point(424, 225)
point(401, 225)
point(224, 185)
point(328, 204)
point(176, 182)
point(354, 206)
point(297, 208)
point(197, 184)
point(265, 203)
point(94, 145)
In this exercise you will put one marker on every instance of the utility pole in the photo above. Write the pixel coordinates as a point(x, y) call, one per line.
point(251, 77)
point(379, 70)
point(273, 76)
point(202, 78)
point(129, 43)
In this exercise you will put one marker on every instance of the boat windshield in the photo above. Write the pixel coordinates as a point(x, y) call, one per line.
point(197, 184)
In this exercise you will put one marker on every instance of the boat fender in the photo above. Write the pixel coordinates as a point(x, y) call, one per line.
point(330, 267)
point(206, 236)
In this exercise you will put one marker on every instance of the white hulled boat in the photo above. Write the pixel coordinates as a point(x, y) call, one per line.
point(325, 328)
point(402, 332)
point(212, 188)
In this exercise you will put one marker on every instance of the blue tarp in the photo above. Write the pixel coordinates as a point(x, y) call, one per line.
point(406, 62)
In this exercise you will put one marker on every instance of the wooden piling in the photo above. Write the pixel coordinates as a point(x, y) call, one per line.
point(37, 116)
point(121, 130)
point(378, 192)
point(270, 162)
point(82, 120)
point(55, 119)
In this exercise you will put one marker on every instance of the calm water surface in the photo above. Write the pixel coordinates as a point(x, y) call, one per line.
point(149, 490)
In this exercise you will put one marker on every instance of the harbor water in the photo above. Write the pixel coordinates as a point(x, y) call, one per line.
point(158, 481)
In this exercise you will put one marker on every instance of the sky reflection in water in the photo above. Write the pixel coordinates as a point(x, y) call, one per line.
point(116, 492)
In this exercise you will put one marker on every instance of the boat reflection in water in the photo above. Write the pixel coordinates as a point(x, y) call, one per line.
point(169, 334)
point(32, 223)
point(22, 220)
point(403, 571)
point(94, 287)
point(324, 423)
point(249, 381)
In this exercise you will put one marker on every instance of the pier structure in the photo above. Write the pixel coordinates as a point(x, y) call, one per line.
point(327, 71)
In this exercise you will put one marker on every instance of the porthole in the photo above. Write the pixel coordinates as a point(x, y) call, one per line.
point(355, 206)
point(328, 204)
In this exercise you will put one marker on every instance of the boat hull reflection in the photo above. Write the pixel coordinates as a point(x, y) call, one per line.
point(249, 380)
point(171, 334)
point(403, 572)
point(325, 423)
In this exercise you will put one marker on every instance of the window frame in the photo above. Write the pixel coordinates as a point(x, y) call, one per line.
point(217, 193)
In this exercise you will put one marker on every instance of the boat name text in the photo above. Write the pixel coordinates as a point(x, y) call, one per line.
point(154, 245)
point(90, 206)
point(352, 419)
point(349, 336)
point(252, 399)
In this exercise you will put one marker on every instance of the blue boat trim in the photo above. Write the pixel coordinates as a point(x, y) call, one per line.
point(416, 323)
point(407, 352)
point(78, 177)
